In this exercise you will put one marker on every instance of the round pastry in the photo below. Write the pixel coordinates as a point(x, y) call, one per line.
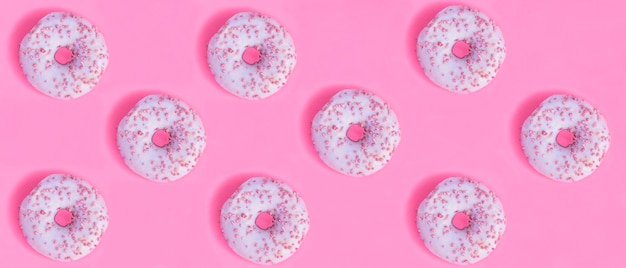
point(161, 138)
point(461, 49)
point(63, 217)
point(461, 221)
point(264, 221)
point(565, 138)
point(63, 56)
point(355, 133)
point(251, 55)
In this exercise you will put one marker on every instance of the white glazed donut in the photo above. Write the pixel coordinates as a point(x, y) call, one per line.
point(63, 56)
point(264, 221)
point(461, 49)
point(161, 138)
point(566, 161)
point(63, 217)
point(251, 56)
point(461, 221)
point(372, 148)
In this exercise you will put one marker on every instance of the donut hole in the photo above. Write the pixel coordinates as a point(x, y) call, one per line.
point(63, 55)
point(461, 220)
point(461, 49)
point(251, 55)
point(565, 138)
point(264, 220)
point(161, 138)
point(63, 217)
point(355, 132)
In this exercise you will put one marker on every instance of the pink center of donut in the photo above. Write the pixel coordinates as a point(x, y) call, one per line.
point(251, 55)
point(63, 217)
point(461, 220)
point(161, 138)
point(565, 138)
point(355, 132)
point(461, 49)
point(63, 55)
point(264, 220)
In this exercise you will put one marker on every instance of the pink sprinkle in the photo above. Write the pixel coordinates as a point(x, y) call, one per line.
point(355, 132)
point(251, 55)
point(461, 49)
point(63, 55)
point(63, 217)
point(264, 220)
point(461, 220)
point(161, 138)
point(565, 138)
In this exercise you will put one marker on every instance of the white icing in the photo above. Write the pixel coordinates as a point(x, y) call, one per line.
point(74, 79)
point(479, 239)
point(479, 67)
point(82, 235)
point(176, 159)
point(360, 158)
point(574, 162)
point(256, 81)
point(280, 241)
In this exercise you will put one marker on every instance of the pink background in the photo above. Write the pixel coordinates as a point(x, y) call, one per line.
point(160, 47)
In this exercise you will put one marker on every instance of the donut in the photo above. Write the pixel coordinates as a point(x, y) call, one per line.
point(251, 55)
point(264, 221)
point(461, 221)
point(63, 217)
point(461, 49)
point(355, 133)
point(161, 138)
point(565, 138)
point(63, 56)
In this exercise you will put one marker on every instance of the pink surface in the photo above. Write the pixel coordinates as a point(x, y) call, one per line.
point(160, 47)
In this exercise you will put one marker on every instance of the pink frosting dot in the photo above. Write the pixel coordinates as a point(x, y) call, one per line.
point(63, 55)
point(161, 138)
point(461, 220)
point(264, 220)
point(251, 55)
point(63, 217)
point(355, 132)
point(565, 138)
point(461, 49)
